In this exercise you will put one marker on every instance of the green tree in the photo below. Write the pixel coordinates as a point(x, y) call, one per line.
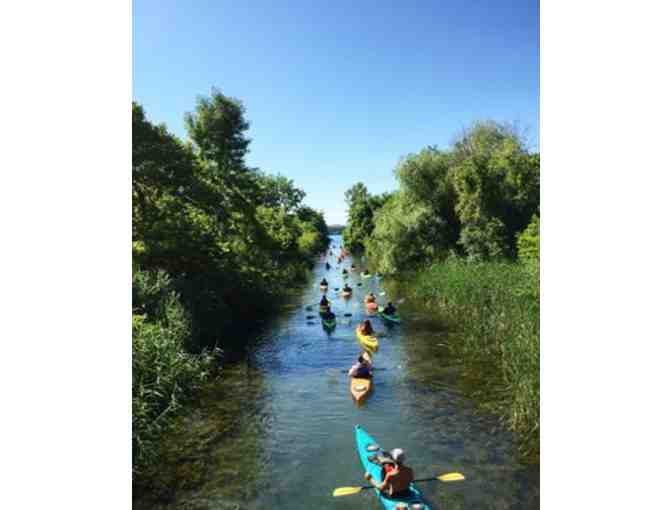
point(361, 209)
point(218, 129)
point(497, 184)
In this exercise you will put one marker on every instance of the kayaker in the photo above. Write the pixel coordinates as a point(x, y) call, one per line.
point(389, 309)
point(327, 266)
point(324, 301)
point(370, 298)
point(366, 328)
point(360, 369)
point(345, 271)
point(328, 315)
point(347, 289)
point(398, 477)
point(324, 282)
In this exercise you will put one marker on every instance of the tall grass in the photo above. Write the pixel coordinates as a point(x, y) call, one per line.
point(495, 308)
point(164, 373)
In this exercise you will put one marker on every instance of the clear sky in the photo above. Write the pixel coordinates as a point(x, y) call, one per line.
point(337, 92)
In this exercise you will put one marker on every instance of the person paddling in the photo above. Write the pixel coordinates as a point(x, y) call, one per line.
point(398, 477)
point(324, 283)
point(327, 266)
point(324, 301)
point(347, 289)
point(370, 298)
point(389, 309)
point(366, 328)
point(361, 369)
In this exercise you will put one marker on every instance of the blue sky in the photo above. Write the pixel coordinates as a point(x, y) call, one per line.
point(337, 92)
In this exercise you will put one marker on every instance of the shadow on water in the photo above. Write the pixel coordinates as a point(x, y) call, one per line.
point(276, 429)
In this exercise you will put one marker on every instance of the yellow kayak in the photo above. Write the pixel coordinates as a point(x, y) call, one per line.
point(370, 342)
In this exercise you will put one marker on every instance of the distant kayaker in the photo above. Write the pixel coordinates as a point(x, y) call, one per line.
point(361, 369)
point(370, 298)
point(324, 301)
point(345, 271)
point(347, 289)
point(389, 309)
point(327, 266)
point(398, 477)
point(324, 282)
point(366, 328)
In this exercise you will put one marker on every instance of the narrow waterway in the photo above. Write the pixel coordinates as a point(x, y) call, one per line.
point(289, 415)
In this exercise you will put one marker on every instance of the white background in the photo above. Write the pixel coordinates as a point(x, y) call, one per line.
point(65, 206)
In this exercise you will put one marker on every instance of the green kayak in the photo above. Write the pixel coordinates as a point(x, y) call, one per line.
point(329, 324)
point(391, 318)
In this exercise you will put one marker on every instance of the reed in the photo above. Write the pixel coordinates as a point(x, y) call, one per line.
point(495, 308)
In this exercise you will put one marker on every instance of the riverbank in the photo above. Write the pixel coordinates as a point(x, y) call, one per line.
point(274, 429)
point(492, 310)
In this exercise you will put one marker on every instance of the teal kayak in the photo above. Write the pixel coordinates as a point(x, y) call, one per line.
point(391, 318)
point(366, 446)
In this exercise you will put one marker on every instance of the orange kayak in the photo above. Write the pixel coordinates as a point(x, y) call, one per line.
point(360, 388)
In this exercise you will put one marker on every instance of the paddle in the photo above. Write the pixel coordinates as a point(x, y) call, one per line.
point(376, 369)
point(446, 477)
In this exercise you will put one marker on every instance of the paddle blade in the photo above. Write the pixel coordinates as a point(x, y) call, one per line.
point(347, 491)
point(450, 477)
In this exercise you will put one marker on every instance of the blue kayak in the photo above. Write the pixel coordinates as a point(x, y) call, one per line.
point(366, 446)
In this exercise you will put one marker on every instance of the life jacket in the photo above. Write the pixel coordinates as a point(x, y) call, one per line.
point(362, 371)
point(399, 480)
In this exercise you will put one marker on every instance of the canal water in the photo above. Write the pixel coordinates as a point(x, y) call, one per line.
point(281, 422)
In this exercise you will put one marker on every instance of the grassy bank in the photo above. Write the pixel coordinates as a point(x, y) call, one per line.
point(494, 306)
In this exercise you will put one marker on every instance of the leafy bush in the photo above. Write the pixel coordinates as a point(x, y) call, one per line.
point(528, 242)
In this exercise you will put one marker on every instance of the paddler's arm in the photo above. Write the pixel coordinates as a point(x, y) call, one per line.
point(379, 486)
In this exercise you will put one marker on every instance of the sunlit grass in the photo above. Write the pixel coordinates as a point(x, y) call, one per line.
point(495, 308)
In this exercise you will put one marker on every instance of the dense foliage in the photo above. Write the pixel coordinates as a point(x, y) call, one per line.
point(361, 208)
point(473, 199)
point(214, 241)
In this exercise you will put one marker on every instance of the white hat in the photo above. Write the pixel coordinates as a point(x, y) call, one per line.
point(398, 455)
